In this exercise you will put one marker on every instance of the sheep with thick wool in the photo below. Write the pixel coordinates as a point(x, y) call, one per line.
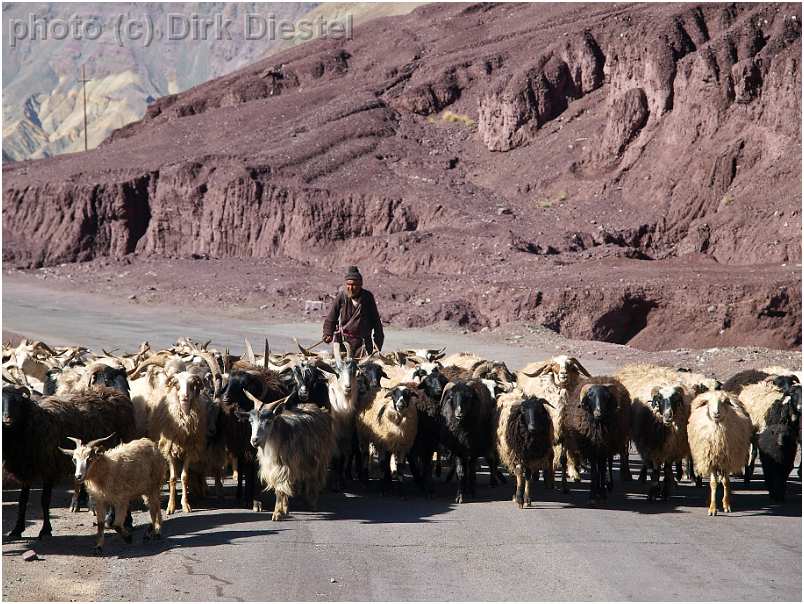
point(596, 427)
point(660, 409)
point(524, 441)
point(719, 432)
point(117, 476)
point(178, 423)
point(556, 380)
point(389, 420)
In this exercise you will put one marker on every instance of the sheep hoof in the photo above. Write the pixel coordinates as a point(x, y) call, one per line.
point(459, 498)
point(186, 508)
point(256, 506)
point(48, 532)
point(276, 516)
point(98, 551)
point(726, 509)
point(713, 511)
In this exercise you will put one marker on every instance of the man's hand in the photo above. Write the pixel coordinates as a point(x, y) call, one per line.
point(328, 339)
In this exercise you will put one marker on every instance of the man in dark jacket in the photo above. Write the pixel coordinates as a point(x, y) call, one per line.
point(353, 316)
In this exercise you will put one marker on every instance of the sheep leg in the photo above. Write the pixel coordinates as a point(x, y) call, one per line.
point(528, 481)
point(573, 463)
point(439, 460)
point(22, 506)
point(749, 469)
point(643, 473)
point(451, 473)
point(120, 513)
point(688, 475)
point(461, 473)
point(602, 483)
point(519, 494)
point(185, 486)
point(653, 490)
point(625, 466)
point(595, 479)
point(219, 483)
point(237, 463)
point(713, 495)
point(385, 485)
point(726, 493)
point(679, 470)
point(281, 506)
point(400, 474)
point(563, 465)
point(47, 491)
point(155, 530)
point(100, 516)
point(610, 483)
point(171, 506)
point(668, 479)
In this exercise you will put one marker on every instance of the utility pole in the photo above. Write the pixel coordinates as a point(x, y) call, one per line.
point(84, 83)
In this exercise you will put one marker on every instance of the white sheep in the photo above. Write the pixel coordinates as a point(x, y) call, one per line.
point(178, 423)
point(719, 433)
point(556, 380)
point(117, 476)
point(464, 360)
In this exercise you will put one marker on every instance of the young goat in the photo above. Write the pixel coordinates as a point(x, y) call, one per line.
point(117, 476)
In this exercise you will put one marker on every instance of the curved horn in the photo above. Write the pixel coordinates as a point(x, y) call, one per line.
point(447, 388)
point(213, 369)
point(539, 370)
point(304, 350)
point(348, 349)
point(257, 402)
point(43, 346)
point(90, 372)
point(481, 368)
point(97, 441)
point(77, 441)
point(155, 359)
point(581, 368)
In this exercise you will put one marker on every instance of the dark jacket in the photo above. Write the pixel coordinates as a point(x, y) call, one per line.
point(355, 327)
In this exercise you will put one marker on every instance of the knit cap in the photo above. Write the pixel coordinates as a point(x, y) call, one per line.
point(352, 273)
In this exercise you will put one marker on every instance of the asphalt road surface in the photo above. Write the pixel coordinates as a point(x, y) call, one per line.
point(361, 546)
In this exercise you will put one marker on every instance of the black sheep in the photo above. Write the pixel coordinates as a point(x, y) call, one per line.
point(32, 433)
point(428, 433)
point(596, 425)
point(748, 376)
point(777, 445)
point(467, 410)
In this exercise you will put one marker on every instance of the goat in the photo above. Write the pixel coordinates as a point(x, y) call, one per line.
point(117, 476)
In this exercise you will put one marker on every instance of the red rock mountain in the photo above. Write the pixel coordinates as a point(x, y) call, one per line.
point(628, 173)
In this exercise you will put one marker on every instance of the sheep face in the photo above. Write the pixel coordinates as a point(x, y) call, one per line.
point(262, 420)
point(347, 375)
point(790, 386)
point(372, 373)
point(665, 402)
point(188, 388)
point(533, 413)
point(111, 377)
point(457, 402)
point(431, 382)
point(16, 401)
point(238, 384)
point(717, 404)
point(599, 402)
point(402, 397)
point(84, 455)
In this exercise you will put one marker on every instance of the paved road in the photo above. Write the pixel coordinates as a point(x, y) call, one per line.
point(361, 546)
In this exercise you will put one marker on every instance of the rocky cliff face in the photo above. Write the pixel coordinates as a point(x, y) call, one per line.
point(470, 144)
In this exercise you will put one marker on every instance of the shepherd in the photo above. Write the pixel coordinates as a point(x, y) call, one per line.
point(353, 317)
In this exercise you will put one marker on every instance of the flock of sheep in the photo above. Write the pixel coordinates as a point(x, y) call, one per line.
point(296, 421)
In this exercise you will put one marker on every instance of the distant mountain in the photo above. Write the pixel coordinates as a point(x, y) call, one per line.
point(42, 97)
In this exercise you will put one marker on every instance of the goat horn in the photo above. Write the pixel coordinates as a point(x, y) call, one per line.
point(305, 351)
point(156, 359)
point(266, 353)
point(227, 362)
point(539, 370)
point(77, 441)
point(97, 441)
point(580, 367)
point(348, 349)
point(43, 346)
point(250, 352)
point(257, 402)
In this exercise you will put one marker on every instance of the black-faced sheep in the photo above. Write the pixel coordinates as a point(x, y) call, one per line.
point(719, 432)
point(468, 415)
point(660, 408)
point(596, 424)
point(777, 444)
point(556, 380)
point(33, 431)
point(428, 432)
point(524, 441)
point(293, 448)
point(117, 476)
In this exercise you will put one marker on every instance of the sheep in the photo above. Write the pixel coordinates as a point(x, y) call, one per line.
point(777, 445)
point(556, 380)
point(428, 431)
point(117, 476)
point(743, 378)
point(389, 420)
point(660, 407)
point(467, 430)
point(293, 448)
point(465, 360)
point(719, 432)
point(759, 399)
point(524, 441)
point(264, 384)
point(596, 426)
point(498, 372)
point(344, 390)
point(178, 423)
point(32, 431)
